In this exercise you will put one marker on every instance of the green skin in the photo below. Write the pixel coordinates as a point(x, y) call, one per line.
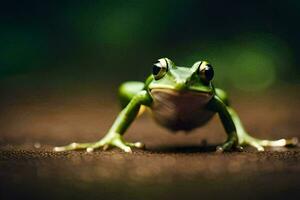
point(177, 81)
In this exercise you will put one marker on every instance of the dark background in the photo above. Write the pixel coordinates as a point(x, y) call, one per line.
point(60, 66)
point(252, 44)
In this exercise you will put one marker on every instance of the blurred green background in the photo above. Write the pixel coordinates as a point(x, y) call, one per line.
point(253, 45)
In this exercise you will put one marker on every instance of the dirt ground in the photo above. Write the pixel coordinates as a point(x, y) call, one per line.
point(173, 166)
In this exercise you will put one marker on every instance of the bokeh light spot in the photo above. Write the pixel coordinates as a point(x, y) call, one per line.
point(254, 71)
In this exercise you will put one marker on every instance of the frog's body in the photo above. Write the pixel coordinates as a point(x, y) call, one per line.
point(180, 98)
point(172, 109)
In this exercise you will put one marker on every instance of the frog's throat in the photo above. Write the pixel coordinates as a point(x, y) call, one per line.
point(180, 110)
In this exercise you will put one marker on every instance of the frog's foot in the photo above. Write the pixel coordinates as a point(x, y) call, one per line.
point(260, 144)
point(116, 140)
point(230, 145)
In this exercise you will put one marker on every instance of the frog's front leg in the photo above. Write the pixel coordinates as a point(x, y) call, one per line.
point(217, 105)
point(243, 137)
point(114, 137)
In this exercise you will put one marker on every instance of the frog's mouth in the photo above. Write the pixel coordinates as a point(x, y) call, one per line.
point(182, 94)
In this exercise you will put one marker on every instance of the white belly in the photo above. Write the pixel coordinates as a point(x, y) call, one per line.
point(180, 110)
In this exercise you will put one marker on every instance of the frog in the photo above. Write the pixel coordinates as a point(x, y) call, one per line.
point(180, 99)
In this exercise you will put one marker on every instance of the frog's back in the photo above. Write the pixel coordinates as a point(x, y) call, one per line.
point(180, 110)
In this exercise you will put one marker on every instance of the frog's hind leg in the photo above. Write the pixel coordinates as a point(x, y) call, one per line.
point(244, 138)
point(128, 90)
point(259, 144)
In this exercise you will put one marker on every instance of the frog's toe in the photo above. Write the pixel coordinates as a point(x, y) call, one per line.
point(58, 149)
point(72, 146)
point(126, 149)
point(114, 140)
point(281, 143)
point(278, 143)
point(89, 149)
point(138, 145)
point(227, 146)
point(257, 146)
point(292, 142)
point(260, 144)
point(219, 149)
point(105, 147)
point(239, 148)
point(122, 145)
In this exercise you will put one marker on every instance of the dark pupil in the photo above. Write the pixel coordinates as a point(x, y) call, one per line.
point(155, 69)
point(209, 73)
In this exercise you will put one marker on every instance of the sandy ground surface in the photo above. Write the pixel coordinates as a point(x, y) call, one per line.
point(174, 166)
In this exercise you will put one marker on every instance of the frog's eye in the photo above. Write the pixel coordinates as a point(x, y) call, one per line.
point(159, 69)
point(206, 72)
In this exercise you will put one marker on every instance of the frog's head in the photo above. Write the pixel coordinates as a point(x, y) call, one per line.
point(169, 76)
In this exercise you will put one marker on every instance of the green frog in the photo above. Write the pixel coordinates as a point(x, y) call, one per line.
point(181, 99)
